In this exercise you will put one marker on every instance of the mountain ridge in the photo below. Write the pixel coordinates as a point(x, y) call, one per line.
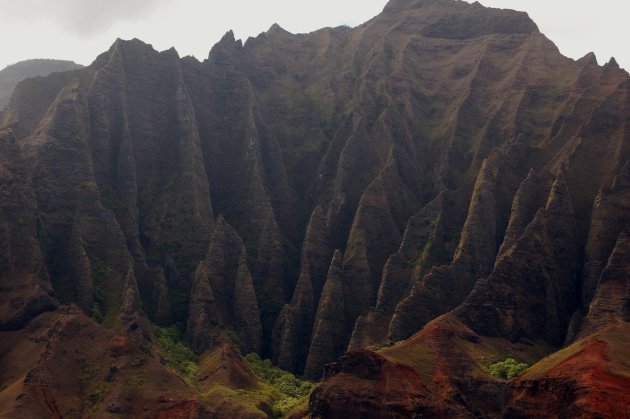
point(438, 170)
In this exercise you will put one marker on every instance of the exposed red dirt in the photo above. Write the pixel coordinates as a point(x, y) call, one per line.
point(443, 360)
point(184, 410)
point(434, 353)
point(118, 346)
point(365, 384)
point(66, 365)
point(599, 390)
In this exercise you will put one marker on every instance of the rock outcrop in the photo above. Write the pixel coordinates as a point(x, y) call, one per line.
point(25, 286)
point(532, 291)
point(441, 372)
point(439, 172)
point(223, 296)
point(377, 388)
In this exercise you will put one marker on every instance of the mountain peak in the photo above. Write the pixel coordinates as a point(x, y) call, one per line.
point(589, 59)
point(276, 28)
point(612, 63)
point(226, 46)
point(455, 19)
point(133, 43)
point(398, 5)
point(228, 37)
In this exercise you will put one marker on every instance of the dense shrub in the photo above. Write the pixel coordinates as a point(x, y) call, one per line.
point(289, 389)
point(171, 342)
point(507, 369)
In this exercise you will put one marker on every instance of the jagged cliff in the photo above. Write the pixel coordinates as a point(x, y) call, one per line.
point(300, 195)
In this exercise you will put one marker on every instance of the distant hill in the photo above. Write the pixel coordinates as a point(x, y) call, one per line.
point(15, 73)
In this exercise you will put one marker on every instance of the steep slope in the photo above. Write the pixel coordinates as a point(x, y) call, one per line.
point(223, 296)
point(441, 172)
point(443, 371)
point(26, 286)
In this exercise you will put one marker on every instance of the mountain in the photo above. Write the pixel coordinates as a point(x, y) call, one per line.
point(395, 207)
point(11, 75)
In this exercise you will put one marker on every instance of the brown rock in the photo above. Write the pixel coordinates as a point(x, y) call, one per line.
point(329, 331)
point(365, 384)
point(25, 288)
point(532, 291)
point(223, 297)
point(613, 291)
point(438, 112)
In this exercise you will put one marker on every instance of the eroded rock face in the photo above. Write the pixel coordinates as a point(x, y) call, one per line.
point(605, 288)
point(330, 326)
point(444, 287)
point(609, 305)
point(223, 296)
point(303, 194)
point(25, 287)
point(532, 291)
point(447, 361)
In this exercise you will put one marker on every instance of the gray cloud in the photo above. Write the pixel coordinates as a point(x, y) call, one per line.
point(81, 17)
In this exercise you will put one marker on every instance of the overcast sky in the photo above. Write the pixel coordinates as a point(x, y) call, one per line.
point(79, 30)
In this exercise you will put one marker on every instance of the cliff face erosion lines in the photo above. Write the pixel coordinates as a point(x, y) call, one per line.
point(301, 195)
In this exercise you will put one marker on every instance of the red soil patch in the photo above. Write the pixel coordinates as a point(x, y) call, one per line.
point(185, 410)
point(590, 366)
point(603, 392)
point(365, 383)
point(435, 347)
point(118, 346)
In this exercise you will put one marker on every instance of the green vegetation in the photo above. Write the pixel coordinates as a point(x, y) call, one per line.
point(507, 369)
point(106, 297)
point(541, 367)
point(430, 223)
point(287, 390)
point(386, 344)
point(232, 336)
point(97, 314)
point(137, 380)
point(89, 372)
point(250, 401)
point(137, 361)
point(99, 303)
point(170, 340)
point(98, 394)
